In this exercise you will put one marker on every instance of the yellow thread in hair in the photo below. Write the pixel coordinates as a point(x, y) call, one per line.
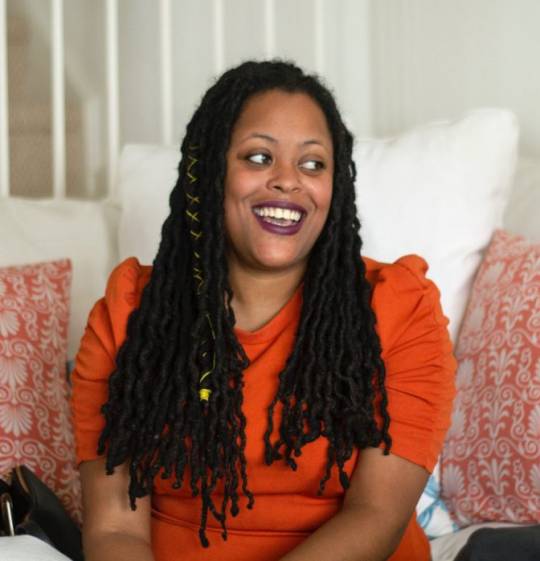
point(204, 394)
point(205, 375)
point(193, 199)
point(197, 274)
point(193, 215)
point(211, 328)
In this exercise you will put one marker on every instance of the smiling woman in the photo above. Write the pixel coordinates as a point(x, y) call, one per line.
point(278, 190)
point(262, 390)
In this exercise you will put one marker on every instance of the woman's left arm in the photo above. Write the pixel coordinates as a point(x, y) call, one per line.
point(377, 507)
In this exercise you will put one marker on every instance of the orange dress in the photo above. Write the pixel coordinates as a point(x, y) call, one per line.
point(420, 371)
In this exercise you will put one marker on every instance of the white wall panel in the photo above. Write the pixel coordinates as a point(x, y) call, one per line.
point(4, 111)
point(86, 85)
point(139, 71)
point(434, 58)
point(244, 30)
point(295, 32)
point(348, 61)
point(391, 63)
point(193, 58)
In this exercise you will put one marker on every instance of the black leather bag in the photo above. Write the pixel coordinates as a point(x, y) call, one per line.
point(30, 507)
point(502, 544)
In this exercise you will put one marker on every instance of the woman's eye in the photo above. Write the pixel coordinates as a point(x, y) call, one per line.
point(259, 158)
point(312, 165)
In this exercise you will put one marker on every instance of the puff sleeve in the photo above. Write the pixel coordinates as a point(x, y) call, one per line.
point(95, 361)
point(418, 357)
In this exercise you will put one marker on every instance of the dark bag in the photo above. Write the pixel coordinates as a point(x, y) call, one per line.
point(30, 507)
point(502, 544)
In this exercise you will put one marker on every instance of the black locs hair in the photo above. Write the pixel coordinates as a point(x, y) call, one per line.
point(155, 416)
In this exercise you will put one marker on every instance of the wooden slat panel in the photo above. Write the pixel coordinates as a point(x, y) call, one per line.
point(318, 34)
point(166, 71)
point(269, 28)
point(113, 113)
point(219, 36)
point(58, 100)
point(4, 111)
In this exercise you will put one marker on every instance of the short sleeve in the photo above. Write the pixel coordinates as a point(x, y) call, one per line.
point(95, 361)
point(418, 357)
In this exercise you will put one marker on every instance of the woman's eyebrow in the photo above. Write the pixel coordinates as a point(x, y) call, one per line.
point(272, 139)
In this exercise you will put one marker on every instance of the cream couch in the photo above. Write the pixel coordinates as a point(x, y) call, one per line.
point(439, 190)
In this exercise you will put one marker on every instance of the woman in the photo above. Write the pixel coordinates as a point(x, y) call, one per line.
point(268, 393)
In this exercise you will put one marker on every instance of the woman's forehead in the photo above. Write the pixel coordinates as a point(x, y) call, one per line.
point(276, 113)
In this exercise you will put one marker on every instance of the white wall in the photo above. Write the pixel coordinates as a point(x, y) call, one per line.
point(438, 58)
point(345, 61)
point(391, 63)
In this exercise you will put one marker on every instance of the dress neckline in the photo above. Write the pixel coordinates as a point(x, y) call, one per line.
point(289, 312)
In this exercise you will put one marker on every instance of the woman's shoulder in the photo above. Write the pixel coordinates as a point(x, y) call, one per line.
point(418, 356)
point(126, 282)
point(404, 295)
point(122, 295)
point(411, 267)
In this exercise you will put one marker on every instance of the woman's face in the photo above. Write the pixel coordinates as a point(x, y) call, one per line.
point(278, 186)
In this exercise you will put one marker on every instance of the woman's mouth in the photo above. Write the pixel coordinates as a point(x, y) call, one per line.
point(280, 217)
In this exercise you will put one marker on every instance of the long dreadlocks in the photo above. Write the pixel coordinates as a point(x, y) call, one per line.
point(161, 414)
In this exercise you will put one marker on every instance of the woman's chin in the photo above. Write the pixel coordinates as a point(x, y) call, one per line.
point(277, 261)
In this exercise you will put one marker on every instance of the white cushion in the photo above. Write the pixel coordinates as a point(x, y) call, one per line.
point(522, 215)
point(28, 548)
point(431, 511)
point(440, 191)
point(84, 231)
point(147, 176)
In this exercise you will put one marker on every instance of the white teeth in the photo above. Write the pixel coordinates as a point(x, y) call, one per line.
point(278, 213)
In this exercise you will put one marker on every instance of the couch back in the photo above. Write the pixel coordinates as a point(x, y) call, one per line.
point(88, 231)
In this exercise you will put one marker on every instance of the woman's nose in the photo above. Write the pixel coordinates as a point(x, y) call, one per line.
point(286, 178)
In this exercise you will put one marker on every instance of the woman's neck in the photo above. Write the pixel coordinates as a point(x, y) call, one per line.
point(259, 295)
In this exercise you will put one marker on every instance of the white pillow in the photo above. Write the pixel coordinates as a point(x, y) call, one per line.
point(147, 176)
point(522, 214)
point(440, 191)
point(28, 548)
point(84, 231)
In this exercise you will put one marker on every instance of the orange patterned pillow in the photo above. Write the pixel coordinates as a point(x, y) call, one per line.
point(35, 426)
point(491, 459)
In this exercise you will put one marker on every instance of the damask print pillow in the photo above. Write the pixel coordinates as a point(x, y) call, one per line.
point(35, 425)
point(491, 459)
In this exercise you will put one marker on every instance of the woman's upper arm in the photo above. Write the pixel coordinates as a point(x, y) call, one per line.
point(419, 382)
point(106, 507)
point(95, 360)
point(111, 530)
point(418, 358)
point(389, 485)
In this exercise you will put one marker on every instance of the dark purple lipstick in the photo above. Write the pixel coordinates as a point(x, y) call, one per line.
point(276, 228)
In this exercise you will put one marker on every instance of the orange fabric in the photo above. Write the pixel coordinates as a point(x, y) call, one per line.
point(420, 371)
